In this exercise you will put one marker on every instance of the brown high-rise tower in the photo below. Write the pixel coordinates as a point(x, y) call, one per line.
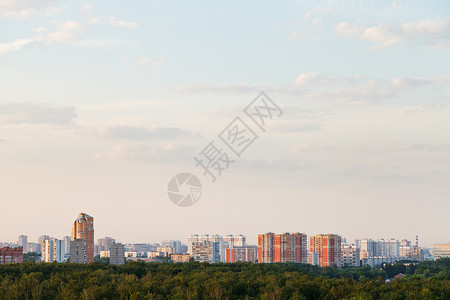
point(83, 228)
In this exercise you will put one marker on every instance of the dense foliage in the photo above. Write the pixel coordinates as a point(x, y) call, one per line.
point(426, 280)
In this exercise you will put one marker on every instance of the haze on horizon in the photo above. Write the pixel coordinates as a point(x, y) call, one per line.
point(102, 102)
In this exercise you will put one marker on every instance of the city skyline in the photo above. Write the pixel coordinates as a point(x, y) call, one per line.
point(248, 240)
point(103, 102)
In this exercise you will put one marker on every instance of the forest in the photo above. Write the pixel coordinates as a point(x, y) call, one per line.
point(193, 280)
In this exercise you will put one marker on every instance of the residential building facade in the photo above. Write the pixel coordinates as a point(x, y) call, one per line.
point(83, 228)
point(328, 247)
point(9, 255)
point(117, 254)
point(284, 247)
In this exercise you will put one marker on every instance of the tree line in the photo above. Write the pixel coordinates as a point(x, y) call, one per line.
point(193, 280)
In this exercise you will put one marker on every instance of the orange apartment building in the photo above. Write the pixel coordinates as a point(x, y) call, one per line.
point(328, 247)
point(83, 229)
point(284, 247)
point(237, 254)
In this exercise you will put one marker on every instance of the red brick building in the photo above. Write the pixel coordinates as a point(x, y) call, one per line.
point(246, 253)
point(328, 247)
point(10, 255)
point(83, 229)
point(284, 247)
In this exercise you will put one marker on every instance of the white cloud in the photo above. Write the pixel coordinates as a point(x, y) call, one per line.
point(317, 79)
point(39, 29)
point(20, 9)
point(165, 152)
point(406, 83)
point(36, 113)
point(370, 148)
point(55, 11)
point(293, 36)
point(297, 127)
point(316, 21)
point(342, 90)
point(226, 88)
point(426, 31)
point(144, 60)
point(65, 32)
point(159, 63)
point(143, 132)
point(15, 45)
point(98, 43)
point(118, 23)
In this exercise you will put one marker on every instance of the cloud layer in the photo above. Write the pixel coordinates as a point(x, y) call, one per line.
point(36, 113)
point(426, 31)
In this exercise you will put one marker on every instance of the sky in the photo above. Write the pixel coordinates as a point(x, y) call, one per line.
point(103, 102)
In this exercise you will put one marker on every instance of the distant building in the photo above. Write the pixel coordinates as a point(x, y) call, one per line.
point(142, 248)
point(130, 254)
point(117, 254)
point(83, 228)
point(205, 251)
point(166, 250)
point(180, 257)
point(241, 253)
point(313, 258)
point(350, 256)
point(405, 243)
point(78, 251)
point(235, 240)
point(374, 261)
point(34, 247)
point(381, 247)
point(104, 244)
point(154, 254)
point(10, 255)
point(215, 238)
point(23, 242)
point(66, 240)
point(175, 245)
point(52, 250)
point(284, 247)
point(329, 248)
point(43, 238)
point(441, 251)
point(104, 254)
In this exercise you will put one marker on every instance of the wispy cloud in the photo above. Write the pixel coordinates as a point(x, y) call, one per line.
point(15, 45)
point(36, 113)
point(117, 23)
point(344, 90)
point(160, 153)
point(370, 148)
point(21, 9)
point(143, 132)
point(426, 31)
point(148, 60)
point(66, 32)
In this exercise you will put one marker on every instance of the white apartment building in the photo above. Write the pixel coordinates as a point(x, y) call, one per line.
point(52, 250)
point(215, 238)
point(350, 256)
point(206, 251)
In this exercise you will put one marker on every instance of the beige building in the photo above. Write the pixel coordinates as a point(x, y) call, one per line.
point(180, 257)
point(117, 254)
point(441, 251)
point(78, 251)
